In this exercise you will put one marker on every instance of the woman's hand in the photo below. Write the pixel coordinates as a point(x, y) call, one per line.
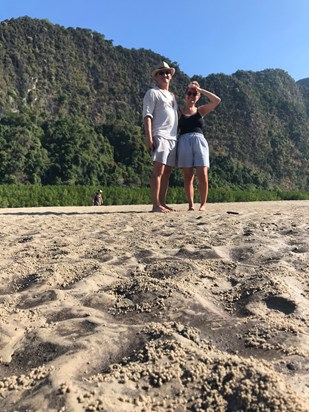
point(193, 86)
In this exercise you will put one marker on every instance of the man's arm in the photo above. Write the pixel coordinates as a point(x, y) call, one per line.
point(148, 132)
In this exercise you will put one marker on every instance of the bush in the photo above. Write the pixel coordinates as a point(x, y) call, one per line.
point(62, 195)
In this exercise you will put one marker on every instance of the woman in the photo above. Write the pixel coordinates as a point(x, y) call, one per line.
point(192, 149)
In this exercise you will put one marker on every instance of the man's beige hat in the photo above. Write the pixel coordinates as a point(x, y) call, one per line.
point(162, 66)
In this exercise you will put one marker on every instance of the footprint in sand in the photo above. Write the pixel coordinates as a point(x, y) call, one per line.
point(27, 282)
point(203, 252)
point(24, 359)
point(281, 304)
point(169, 268)
point(38, 299)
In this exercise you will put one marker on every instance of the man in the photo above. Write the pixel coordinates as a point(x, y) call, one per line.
point(161, 121)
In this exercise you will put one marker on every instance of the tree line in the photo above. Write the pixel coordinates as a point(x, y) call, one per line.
point(16, 195)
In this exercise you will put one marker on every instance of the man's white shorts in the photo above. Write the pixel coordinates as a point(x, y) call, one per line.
point(165, 151)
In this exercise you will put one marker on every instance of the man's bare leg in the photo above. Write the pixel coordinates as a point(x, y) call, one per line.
point(155, 187)
point(164, 186)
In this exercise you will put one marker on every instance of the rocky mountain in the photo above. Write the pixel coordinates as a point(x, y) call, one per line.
point(71, 102)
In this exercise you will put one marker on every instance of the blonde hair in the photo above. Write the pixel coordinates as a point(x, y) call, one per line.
point(194, 83)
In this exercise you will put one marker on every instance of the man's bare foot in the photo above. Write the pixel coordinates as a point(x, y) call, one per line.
point(160, 209)
point(202, 208)
point(170, 209)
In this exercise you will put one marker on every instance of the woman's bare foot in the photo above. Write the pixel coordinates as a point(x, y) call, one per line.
point(191, 209)
point(202, 208)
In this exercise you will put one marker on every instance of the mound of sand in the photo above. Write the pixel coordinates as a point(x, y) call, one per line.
point(118, 309)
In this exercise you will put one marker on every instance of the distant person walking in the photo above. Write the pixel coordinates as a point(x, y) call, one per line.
point(192, 147)
point(98, 199)
point(160, 122)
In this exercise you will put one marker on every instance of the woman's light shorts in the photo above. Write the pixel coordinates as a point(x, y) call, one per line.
point(192, 150)
point(165, 151)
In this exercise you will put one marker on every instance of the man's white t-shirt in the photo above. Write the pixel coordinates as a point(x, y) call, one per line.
point(161, 106)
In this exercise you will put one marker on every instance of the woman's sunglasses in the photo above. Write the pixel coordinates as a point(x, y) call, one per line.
point(191, 94)
point(164, 72)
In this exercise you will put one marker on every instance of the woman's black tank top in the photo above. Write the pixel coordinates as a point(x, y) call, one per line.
point(191, 124)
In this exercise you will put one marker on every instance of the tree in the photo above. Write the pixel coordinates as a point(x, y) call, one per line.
point(78, 154)
point(22, 157)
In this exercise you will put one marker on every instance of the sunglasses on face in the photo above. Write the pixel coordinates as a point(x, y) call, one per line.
point(192, 94)
point(163, 72)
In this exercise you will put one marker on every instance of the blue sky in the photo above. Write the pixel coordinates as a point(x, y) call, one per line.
point(202, 36)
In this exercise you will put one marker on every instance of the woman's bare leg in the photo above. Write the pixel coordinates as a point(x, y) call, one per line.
point(202, 176)
point(188, 179)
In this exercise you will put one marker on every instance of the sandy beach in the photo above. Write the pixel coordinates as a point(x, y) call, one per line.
point(114, 308)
